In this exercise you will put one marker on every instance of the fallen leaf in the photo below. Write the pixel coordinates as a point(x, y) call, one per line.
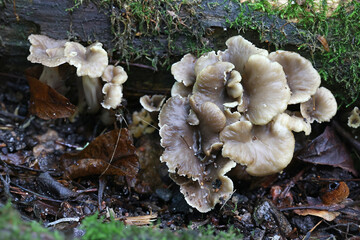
point(328, 216)
point(327, 149)
point(334, 192)
point(112, 153)
point(46, 103)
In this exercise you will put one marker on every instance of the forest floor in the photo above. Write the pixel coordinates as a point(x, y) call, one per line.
point(316, 197)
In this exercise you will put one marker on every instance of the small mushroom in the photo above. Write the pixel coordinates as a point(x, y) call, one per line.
point(354, 118)
point(321, 107)
point(183, 71)
point(90, 63)
point(213, 188)
point(153, 103)
point(301, 76)
point(265, 88)
point(114, 78)
point(264, 149)
point(50, 53)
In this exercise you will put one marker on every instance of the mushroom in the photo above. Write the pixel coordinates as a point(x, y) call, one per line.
point(50, 53)
point(90, 63)
point(354, 118)
point(264, 149)
point(321, 107)
point(301, 76)
point(114, 78)
point(265, 88)
point(214, 187)
point(180, 140)
point(183, 71)
point(153, 103)
point(180, 89)
point(238, 52)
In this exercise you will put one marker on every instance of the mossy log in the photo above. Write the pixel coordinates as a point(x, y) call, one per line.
point(153, 33)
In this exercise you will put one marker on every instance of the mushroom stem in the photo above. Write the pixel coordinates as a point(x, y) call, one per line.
point(51, 76)
point(93, 95)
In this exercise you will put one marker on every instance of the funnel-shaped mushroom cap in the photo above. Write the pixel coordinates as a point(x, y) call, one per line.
point(301, 76)
point(205, 60)
point(215, 187)
point(210, 85)
point(113, 95)
point(320, 107)
point(179, 139)
point(266, 89)
point(238, 52)
point(211, 121)
point(90, 61)
point(180, 89)
point(153, 103)
point(263, 149)
point(47, 51)
point(184, 71)
point(116, 75)
point(354, 118)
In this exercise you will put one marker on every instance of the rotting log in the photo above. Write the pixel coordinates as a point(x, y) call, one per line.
point(180, 28)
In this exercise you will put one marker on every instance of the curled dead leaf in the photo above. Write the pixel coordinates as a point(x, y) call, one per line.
point(46, 103)
point(334, 193)
point(112, 153)
point(328, 149)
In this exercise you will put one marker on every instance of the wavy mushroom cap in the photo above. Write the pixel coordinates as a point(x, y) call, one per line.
point(153, 103)
point(180, 89)
point(205, 60)
point(113, 95)
point(90, 61)
point(266, 88)
point(214, 188)
point(210, 85)
point(238, 52)
point(321, 107)
point(46, 51)
point(184, 70)
point(116, 75)
point(354, 118)
point(179, 139)
point(264, 150)
point(301, 76)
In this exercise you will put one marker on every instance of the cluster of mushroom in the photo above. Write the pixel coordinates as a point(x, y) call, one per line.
point(91, 63)
point(230, 108)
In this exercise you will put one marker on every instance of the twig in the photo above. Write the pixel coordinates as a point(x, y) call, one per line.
point(308, 234)
point(331, 208)
point(61, 220)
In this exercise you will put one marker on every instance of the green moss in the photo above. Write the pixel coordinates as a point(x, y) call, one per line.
point(96, 229)
point(339, 65)
point(12, 227)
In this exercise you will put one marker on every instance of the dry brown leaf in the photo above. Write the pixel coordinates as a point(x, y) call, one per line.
point(141, 220)
point(328, 216)
point(46, 103)
point(100, 157)
point(327, 149)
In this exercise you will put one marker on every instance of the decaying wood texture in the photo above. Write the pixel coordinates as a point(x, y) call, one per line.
point(91, 21)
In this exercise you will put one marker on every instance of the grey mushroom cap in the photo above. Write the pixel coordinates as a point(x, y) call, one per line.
point(321, 107)
point(354, 118)
point(179, 139)
point(213, 188)
point(184, 70)
point(153, 103)
point(266, 88)
point(264, 150)
point(180, 89)
point(90, 61)
point(301, 76)
point(238, 52)
point(46, 51)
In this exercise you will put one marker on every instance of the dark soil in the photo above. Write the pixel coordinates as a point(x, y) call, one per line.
point(261, 208)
